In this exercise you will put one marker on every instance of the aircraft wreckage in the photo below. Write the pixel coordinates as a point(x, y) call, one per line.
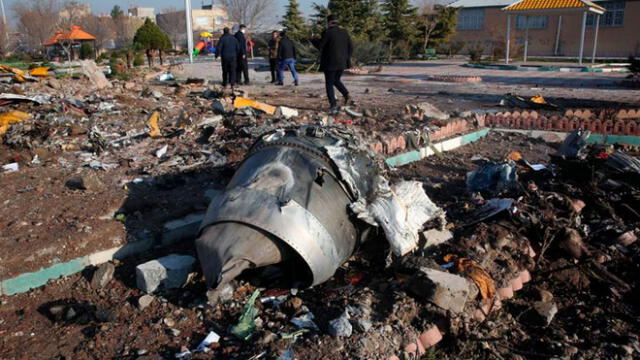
point(309, 195)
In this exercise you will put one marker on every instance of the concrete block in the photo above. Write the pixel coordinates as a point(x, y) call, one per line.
point(167, 272)
point(445, 290)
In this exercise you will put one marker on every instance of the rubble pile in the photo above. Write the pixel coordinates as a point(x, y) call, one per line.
point(508, 248)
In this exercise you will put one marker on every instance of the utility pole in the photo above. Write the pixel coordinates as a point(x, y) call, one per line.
point(4, 21)
point(187, 14)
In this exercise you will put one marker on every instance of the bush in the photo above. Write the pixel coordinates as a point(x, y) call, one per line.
point(138, 60)
point(368, 52)
point(450, 48)
point(86, 51)
point(475, 52)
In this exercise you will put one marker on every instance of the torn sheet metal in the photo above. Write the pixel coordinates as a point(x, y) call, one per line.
point(401, 214)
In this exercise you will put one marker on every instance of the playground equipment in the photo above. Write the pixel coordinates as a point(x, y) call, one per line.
point(206, 41)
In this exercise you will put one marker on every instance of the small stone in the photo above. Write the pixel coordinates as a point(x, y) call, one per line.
point(174, 332)
point(544, 295)
point(571, 350)
point(268, 338)
point(169, 321)
point(88, 180)
point(103, 275)
point(340, 327)
point(546, 311)
point(144, 301)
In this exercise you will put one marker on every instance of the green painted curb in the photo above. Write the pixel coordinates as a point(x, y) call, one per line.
point(28, 281)
point(612, 139)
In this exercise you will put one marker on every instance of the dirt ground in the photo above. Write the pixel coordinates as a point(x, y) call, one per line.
point(45, 219)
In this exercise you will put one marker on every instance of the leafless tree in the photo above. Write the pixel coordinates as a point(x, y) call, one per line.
point(102, 27)
point(427, 19)
point(5, 39)
point(125, 28)
point(173, 22)
point(36, 20)
point(72, 12)
point(248, 12)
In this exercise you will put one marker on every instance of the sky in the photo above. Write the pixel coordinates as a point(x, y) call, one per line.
point(104, 6)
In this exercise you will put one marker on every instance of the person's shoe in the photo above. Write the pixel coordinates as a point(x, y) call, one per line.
point(347, 100)
point(295, 83)
point(273, 81)
point(334, 110)
point(246, 82)
point(279, 84)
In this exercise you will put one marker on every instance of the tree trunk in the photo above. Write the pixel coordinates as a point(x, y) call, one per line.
point(148, 57)
point(160, 56)
point(129, 59)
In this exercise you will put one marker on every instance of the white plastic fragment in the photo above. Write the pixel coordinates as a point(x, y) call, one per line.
point(286, 112)
point(163, 150)
point(211, 338)
point(11, 167)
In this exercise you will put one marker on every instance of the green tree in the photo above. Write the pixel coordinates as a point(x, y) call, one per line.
point(293, 22)
point(116, 12)
point(399, 24)
point(362, 18)
point(446, 22)
point(86, 51)
point(150, 37)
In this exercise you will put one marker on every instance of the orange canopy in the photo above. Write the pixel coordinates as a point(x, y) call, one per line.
point(74, 33)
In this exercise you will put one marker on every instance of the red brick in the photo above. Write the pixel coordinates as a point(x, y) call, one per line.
point(431, 337)
point(618, 127)
point(631, 128)
point(516, 283)
point(505, 292)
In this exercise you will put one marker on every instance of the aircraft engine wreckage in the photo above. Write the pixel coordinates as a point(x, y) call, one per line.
point(310, 195)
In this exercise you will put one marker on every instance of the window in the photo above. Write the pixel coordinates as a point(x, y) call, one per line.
point(614, 16)
point(535, 22)
point(202, 20)
point(471, 19)
point(219, 20)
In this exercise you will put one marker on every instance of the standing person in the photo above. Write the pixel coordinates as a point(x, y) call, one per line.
point(286, 58)
point(336, 49)
point(243, 66)
point(273, 55)
point(228, 50)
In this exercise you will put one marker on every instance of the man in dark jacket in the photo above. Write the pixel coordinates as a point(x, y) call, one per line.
point(335, 55)
point(286, 58)
point(228, 50)
point(243, 66)
point(273, 55)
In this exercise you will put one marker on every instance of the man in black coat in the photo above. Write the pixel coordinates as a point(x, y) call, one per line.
point(286, 59)
point(228, 50)
point(243, 66)
point(336, 49)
